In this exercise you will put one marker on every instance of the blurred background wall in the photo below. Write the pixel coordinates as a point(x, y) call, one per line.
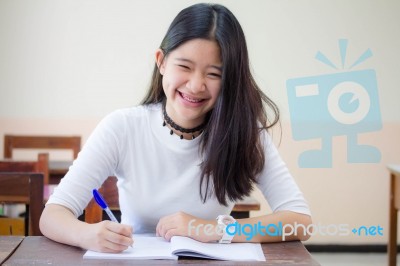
point(64, 65)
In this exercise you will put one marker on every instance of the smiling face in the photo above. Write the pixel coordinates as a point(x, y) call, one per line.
point(191, 80)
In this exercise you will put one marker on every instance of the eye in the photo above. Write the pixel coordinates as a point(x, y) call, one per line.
point(215, 75)
point(184, 67)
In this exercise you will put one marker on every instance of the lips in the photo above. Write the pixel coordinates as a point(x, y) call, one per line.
point(190, 99)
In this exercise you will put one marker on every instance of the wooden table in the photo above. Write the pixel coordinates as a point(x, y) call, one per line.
point(393, 208)
point(8, 244)
point(38, 250)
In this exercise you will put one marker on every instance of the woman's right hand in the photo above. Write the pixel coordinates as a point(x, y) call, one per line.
point(59, 224)
point(106, 236)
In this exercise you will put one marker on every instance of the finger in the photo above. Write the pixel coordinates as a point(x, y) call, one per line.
point(107, 250)
point(105, 245)
point(165, 220)
point(170, 233)
point(160, 224)
point(113, 247)
point(119, 234)
point(158, 228)
point(165, 227)
point(118, 242)
point(122, 229)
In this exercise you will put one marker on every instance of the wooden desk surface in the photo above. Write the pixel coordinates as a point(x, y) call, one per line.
point(39, 250)
point(7, 246)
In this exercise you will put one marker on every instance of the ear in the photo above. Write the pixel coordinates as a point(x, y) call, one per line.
point(160, 61)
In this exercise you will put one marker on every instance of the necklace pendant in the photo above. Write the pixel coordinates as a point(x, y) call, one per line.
point(171, 124)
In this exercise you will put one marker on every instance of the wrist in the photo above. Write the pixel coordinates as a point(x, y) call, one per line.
point(225, 223)
point(213, 235)
point(204, 230)
point(82, 238)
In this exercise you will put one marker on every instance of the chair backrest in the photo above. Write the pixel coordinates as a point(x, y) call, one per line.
point(39, 166)
point(26, 188)
point(109, 191)
point(41, 142)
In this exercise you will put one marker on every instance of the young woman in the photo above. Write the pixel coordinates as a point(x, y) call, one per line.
point(197, 144)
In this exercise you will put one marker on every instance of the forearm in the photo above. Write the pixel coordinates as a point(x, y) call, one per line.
point(276, 227)
point(59, 224)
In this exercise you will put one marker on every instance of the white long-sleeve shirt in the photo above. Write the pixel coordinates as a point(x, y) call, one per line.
point(158, 173)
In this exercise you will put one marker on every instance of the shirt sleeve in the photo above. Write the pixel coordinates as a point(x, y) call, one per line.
point(97, 160)
point(277, 184)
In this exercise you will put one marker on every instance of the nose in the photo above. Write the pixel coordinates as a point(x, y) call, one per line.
point(196, 83)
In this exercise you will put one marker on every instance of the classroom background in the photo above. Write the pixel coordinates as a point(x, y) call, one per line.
point(64, 65)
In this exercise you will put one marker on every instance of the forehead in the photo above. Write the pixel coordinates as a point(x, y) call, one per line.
point(198, 50)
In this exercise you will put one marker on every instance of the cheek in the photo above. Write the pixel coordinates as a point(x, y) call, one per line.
point(165, 85)
point(171, 81)
point(215, 90)
point(168, 85)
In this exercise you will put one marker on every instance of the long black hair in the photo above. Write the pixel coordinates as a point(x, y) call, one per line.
point(232, 151)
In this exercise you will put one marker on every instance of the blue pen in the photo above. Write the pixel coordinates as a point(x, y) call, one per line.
point(99, 199)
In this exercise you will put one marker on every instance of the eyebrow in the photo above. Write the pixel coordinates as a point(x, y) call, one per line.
point(191, 62)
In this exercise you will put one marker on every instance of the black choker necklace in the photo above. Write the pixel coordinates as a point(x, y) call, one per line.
point(168, 120)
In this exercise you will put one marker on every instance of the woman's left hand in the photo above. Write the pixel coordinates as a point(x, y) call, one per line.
point(183, 224)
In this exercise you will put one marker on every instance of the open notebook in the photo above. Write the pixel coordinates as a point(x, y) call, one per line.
point(150, 247)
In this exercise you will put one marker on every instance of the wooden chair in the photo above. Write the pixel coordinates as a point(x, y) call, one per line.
point(109, 191)
point(25, 188)
point(12, 142)
point(39, 166)
point(57, 169)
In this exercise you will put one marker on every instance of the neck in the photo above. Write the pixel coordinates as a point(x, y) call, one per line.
point(183, 133)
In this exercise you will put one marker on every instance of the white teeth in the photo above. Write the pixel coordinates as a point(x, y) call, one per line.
point(190, 99)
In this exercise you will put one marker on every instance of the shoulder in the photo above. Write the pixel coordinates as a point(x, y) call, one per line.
point(266, 138)
point(132, 114)
point(122, 124)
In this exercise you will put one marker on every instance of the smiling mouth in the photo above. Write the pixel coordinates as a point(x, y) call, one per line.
point(189, 99)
